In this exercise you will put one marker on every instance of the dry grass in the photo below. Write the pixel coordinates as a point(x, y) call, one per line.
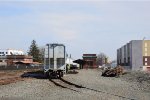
point(9, 76)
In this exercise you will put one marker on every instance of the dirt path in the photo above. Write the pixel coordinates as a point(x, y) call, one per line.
point(13, 76)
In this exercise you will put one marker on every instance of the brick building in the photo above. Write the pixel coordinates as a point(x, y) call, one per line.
point(20, 59)
point(90, 60)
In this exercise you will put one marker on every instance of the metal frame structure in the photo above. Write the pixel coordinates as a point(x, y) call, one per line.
point(54, 69)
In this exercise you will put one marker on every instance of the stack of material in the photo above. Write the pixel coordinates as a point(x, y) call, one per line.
point(113, 72)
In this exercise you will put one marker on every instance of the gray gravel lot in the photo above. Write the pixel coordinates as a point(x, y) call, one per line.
point(86, 85)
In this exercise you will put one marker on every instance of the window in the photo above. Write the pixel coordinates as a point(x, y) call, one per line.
point(145, 49)
point(145, 64)
point(145, 44)
point(145, 59)
point(145, 54)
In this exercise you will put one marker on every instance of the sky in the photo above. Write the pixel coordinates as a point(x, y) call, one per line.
point(84, 26)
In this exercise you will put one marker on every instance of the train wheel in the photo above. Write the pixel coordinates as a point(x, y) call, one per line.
point(62, 74)
point(50, 75)
point(46, 74)
point(59, 74)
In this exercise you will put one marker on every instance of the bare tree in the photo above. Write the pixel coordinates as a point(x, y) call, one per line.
point(102, 59)
point(41, 54)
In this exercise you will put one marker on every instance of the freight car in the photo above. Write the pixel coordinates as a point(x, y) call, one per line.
point(55, 60)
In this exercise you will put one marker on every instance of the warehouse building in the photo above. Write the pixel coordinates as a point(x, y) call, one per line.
point(135, 55)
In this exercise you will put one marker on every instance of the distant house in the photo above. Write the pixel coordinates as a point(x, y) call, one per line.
point(6, 52)
point(11, 52)
point(12, 57)
point(90, 60)
point(19, 59)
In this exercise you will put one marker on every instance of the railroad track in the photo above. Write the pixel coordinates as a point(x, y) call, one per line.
point(77, 88)
point(66, 84)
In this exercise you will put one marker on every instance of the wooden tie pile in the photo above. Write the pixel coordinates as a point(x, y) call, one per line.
point(113, 72)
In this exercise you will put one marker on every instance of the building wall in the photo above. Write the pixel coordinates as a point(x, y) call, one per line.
point(136, 55)
point(3, 60)
point(130, 55)
point(125, 55)
point(146, 54)
point(3, 52)
point(146, 48)
point(122, 55)
point(90, 60)
point(118, 57)
point(7, 52)
point(11, 52)
point(11, 59)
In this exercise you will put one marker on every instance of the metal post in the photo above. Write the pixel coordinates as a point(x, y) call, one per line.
point(65, 58)
point(48, 56)
point(54, 58)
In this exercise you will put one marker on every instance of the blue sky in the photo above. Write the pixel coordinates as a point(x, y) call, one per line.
point(83, 26)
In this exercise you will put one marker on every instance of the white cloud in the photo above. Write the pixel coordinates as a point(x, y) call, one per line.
point(64, 26)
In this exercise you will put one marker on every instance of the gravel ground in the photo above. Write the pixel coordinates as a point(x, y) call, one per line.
point(140, 79)
point(85, 85)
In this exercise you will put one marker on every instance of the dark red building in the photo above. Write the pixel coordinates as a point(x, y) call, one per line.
point(90, 60)
point(23, 59)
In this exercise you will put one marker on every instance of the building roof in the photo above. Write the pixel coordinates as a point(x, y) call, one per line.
point(89, 56)
point(19, 57)
point(79, 61)
point(25, 62)
point(22, 62)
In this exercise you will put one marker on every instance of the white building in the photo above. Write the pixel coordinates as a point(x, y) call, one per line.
point(4, 53)
point(11, 52)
